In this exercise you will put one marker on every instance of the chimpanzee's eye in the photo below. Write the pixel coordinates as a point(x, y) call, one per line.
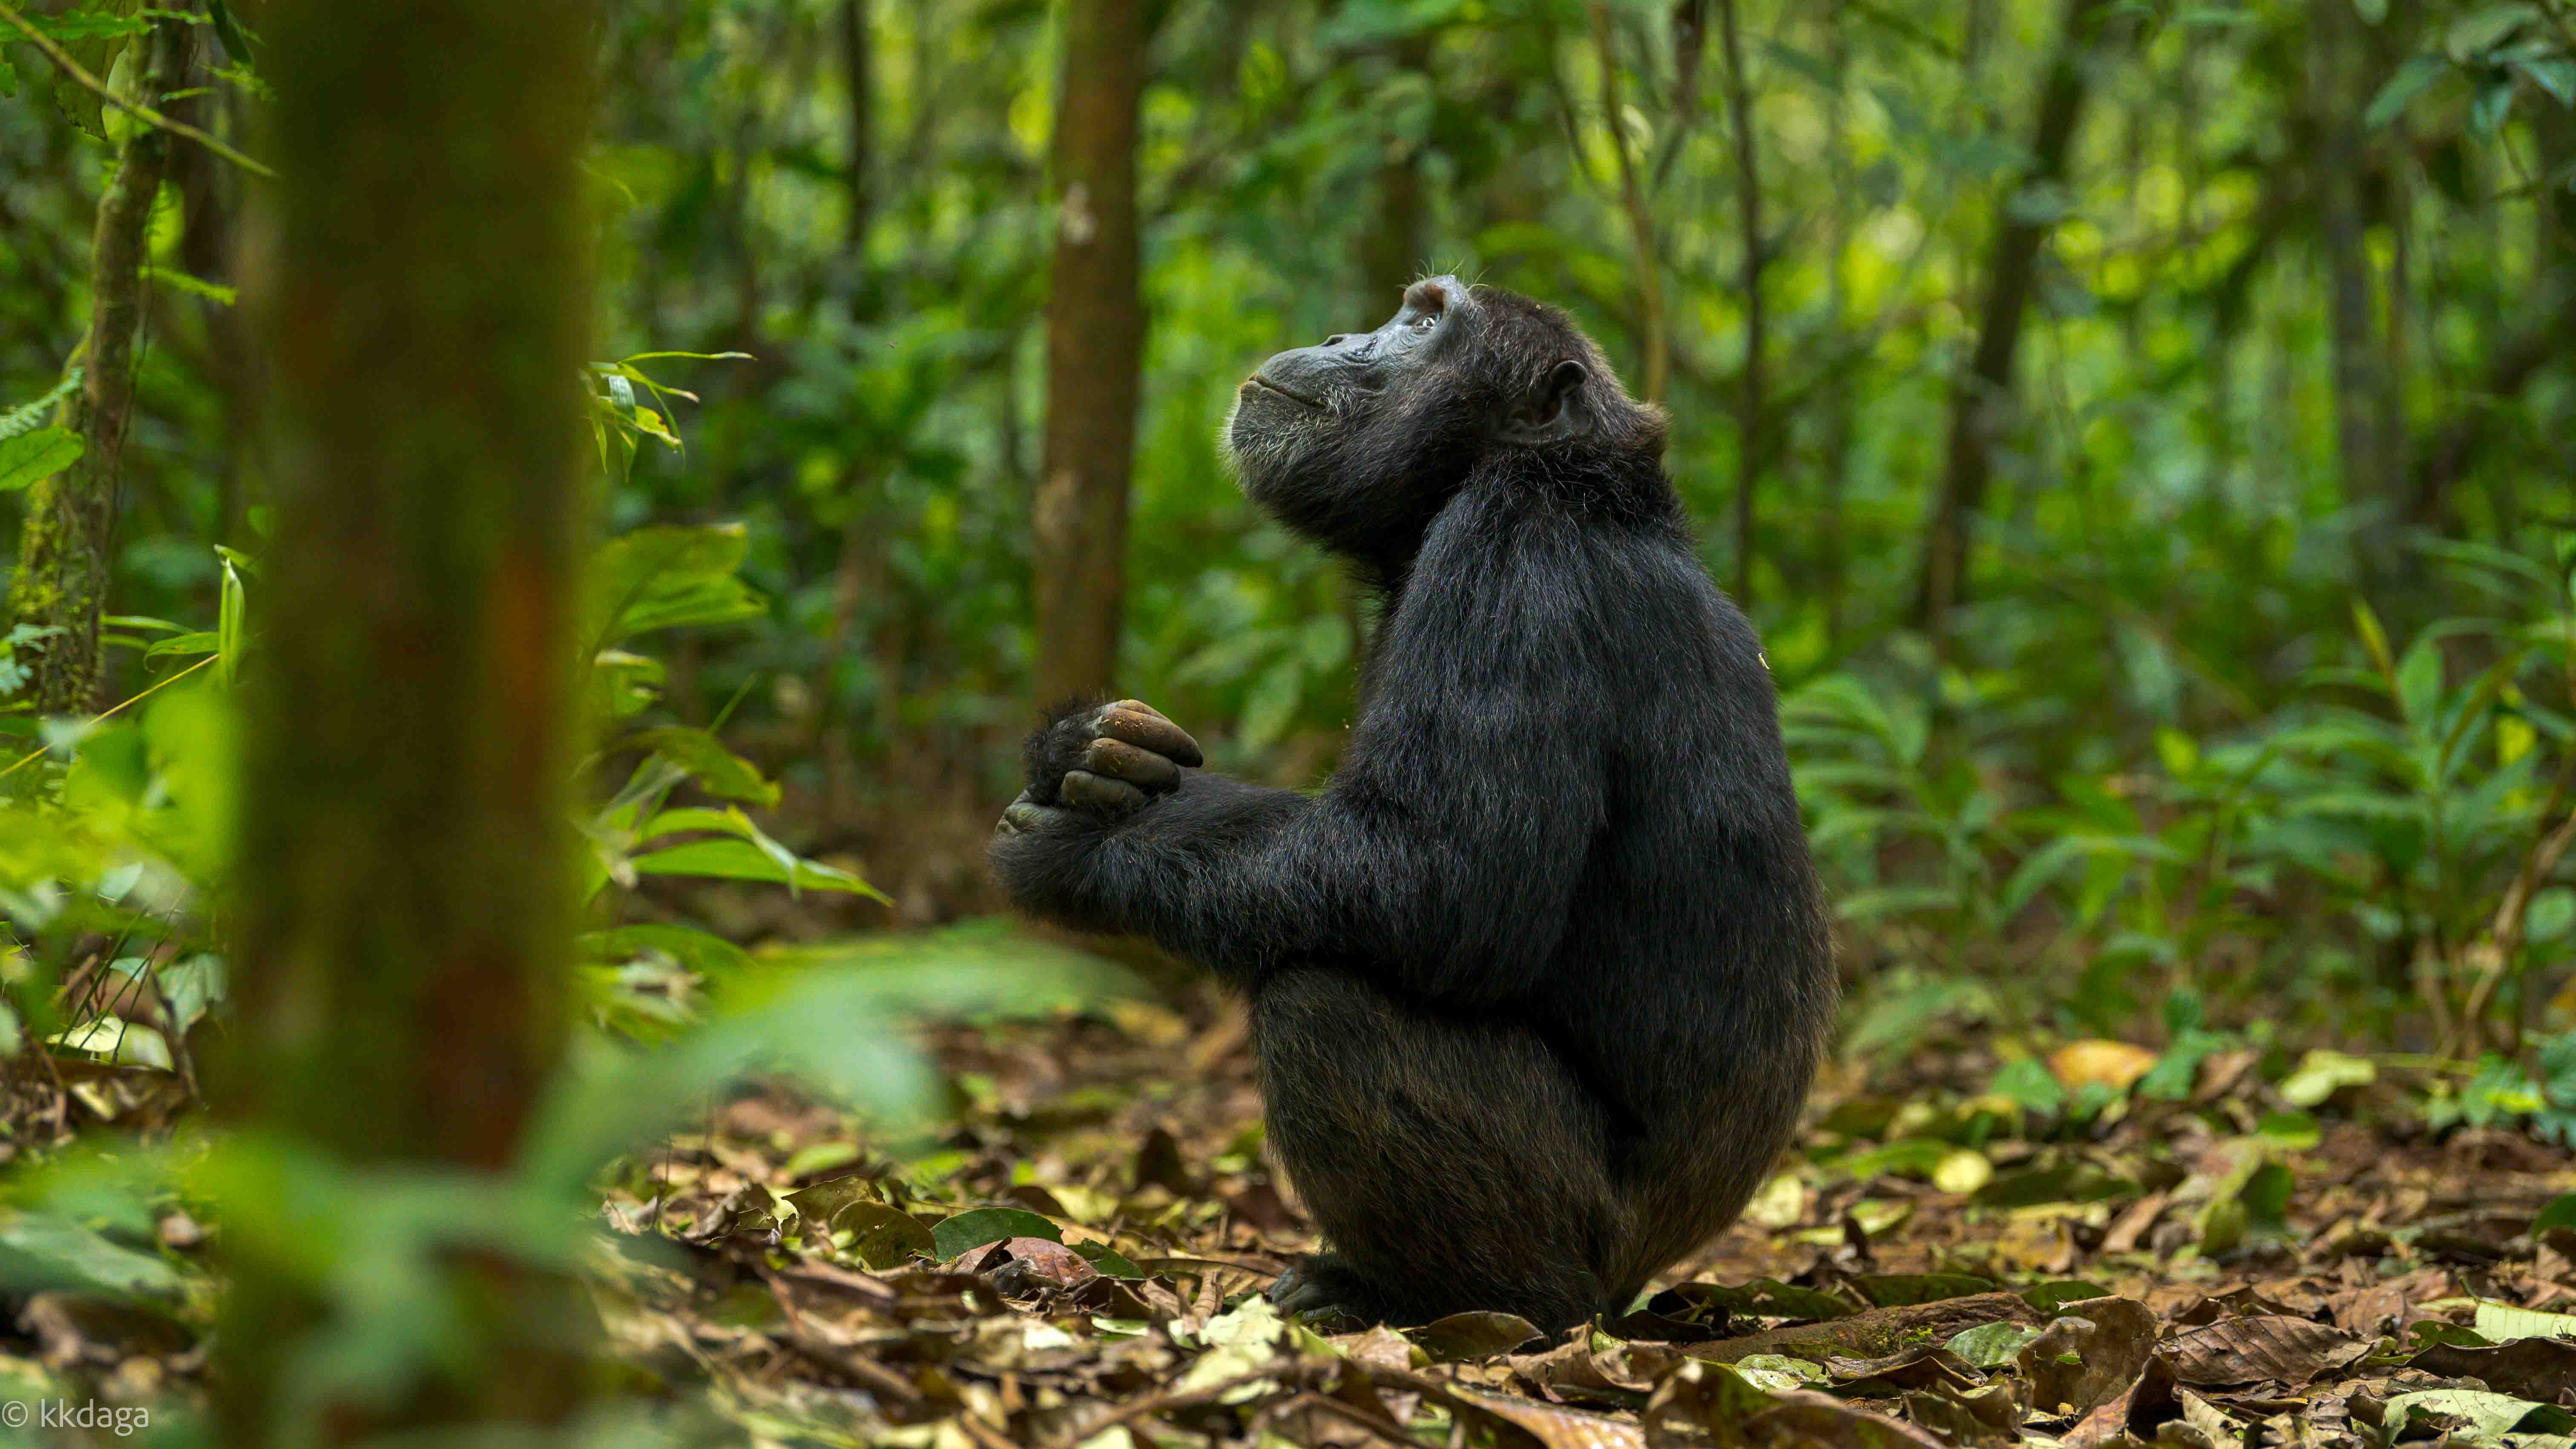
point(1426, 322)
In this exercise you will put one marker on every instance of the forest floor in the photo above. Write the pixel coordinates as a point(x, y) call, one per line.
point(1078, 1259)
point(2228, 1250)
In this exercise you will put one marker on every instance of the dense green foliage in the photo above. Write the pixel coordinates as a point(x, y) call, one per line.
point(2256, 684)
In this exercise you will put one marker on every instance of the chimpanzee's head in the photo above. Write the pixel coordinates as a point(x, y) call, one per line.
point(1359, 442)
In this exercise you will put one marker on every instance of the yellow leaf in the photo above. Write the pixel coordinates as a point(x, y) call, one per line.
point(2114, 1064)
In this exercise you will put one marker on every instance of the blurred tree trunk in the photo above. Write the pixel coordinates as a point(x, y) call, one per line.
point(1391, 250)
point(210, 199)
point(1095, 346)
point(68, 530)
point(2364, 424)
point(1981, 401)
point(1651, 326)
point(858, 75)
point(1843, 193)
point(405, 891)
point(1753, 421)
point(2449, 453)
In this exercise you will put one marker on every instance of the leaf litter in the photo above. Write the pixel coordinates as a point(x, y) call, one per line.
point(1073, 1255)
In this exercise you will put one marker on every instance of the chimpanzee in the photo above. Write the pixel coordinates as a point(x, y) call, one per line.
point(1538, 978)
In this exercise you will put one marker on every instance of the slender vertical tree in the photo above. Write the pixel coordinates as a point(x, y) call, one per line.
point(1982, 399)
point(1753, 419)
point(69, 529)
point(405, 895)
point(1094, 348)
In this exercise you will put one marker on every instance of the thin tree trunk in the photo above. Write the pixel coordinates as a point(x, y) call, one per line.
point(1838, 401)
point(858, 76)
point(2362, 424)
point(859, 576)
point(1641, 222)
point(2452, 451)
point(1095, 345)
point(1753, 423)
point(209, 200)
point(1391, 249)
point(405, 902)
point(68, 531)
point(1982, 399)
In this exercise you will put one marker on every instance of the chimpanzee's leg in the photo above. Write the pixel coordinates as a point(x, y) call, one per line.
point(1452, 1162)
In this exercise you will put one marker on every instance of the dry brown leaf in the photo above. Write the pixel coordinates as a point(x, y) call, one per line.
point(2268, 1348)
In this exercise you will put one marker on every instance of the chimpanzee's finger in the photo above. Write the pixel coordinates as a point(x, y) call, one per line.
point(1026, 815)
point(1099, 792)
point(1139, 767)
point(1140, 725)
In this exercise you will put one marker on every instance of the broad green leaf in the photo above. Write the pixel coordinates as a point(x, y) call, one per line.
point(2322, 1073)
point(2503, 1322)
point(2559, 1214)
point(2473, 35)
point(718, 771)
point(42, 1250)
point(30, 458)
point(2410, 81)
point(1991, 1345)
point(884, 1237)
point(2490, 1416)
point(742, 860)
point(114, 1039)
point(975, 1228)
point(667, 577)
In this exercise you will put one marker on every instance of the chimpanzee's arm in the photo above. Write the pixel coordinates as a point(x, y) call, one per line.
point(1443, 857)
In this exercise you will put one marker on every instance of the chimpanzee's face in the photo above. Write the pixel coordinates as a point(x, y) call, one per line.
point(1357, 441)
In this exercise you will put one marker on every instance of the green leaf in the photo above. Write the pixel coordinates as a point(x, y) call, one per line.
point(193, 286)
point(2050, 1297)
point(2410, 81)
point(884, 1237)
point(2487, 112)
point(1110, 1264)
point(973, 1229)
point(742, 860)
point(2030, 1083)
point(193, 986)
point(2503, 1322)
point(2472, 36)
point(2490, 1416)
point(2555, 74)
point(669, 577)
point(2322, 1073)
point(114, 1039)
point(2560, 1213)
point(42, 1251)
point(1991, 1345)
point(30, 458)
point(206, 642)
point(27, 417)
point(719, 771)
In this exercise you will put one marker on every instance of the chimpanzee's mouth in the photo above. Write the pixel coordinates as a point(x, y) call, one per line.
point(1257, 380)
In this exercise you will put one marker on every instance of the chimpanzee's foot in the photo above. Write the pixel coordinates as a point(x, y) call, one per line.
point(1322, 1285)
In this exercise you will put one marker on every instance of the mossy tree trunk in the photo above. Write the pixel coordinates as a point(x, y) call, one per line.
point(405, 896)
point(69, 528)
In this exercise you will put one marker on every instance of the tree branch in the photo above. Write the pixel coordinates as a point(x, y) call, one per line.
point(150, 117)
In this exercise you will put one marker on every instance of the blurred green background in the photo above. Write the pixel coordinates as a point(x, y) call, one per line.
point(2253, 687)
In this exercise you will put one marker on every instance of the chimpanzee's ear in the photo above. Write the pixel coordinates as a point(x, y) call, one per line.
point(1553, 413)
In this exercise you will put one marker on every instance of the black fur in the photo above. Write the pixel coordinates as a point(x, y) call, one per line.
point(1538, 980)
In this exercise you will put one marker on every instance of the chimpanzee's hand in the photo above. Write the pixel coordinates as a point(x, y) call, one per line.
point(1101, 761)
